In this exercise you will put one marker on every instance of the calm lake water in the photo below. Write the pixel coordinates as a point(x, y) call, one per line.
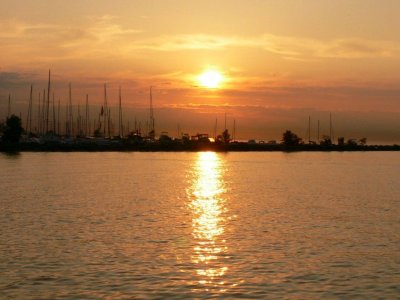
point(200, 225)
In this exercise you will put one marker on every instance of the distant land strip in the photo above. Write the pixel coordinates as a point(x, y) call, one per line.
point(178, 146)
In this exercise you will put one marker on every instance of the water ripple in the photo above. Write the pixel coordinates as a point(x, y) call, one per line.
point(199, 225)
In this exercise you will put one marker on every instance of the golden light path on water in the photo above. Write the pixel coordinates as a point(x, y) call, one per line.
point(208, 209)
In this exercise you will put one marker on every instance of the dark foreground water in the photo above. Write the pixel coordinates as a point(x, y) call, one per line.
point(199, 225)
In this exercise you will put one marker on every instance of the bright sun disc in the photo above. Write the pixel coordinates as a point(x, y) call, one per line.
point(210, 79)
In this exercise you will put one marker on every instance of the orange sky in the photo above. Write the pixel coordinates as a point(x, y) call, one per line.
point(282, 61)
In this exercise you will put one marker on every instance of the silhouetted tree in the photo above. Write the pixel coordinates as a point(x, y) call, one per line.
point(2, 127)
point(226, 137)
point(165, 139)
point(351, 142)
point(13, 130)
point(362, 141)
point(290, 139)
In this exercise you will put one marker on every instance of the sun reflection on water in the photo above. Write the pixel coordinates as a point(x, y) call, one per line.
point(208, 209)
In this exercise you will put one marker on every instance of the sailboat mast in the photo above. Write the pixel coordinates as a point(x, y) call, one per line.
point(43, 119)
point(87, 115)
point(109, 122)
point(136, 126)
point(29, 117)
point(225, 120)
point(38, 116)
point(234, 130)
point(48, 105)
point(215, 129)
point(54, 116)
point(120, 133)
point(79, 123)
point(151, 121)
point(67, 131)
point(58, 118)
point(70, 117)
point(105, 111)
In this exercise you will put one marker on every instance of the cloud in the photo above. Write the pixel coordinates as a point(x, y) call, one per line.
point(95, 28)
point(285, 46)
point(358, 48)
point(26, 43)
point(293, 47)
point(104, 37)
point(192, 42)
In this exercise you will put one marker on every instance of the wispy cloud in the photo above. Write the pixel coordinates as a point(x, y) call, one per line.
point(104, 36)
point(293, 47)
point(285, 46)
point(192, 42)
point(42, 42)
point(358, 48)
point(96, 28)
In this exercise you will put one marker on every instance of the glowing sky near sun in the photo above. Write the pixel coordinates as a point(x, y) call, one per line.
point(279, 61)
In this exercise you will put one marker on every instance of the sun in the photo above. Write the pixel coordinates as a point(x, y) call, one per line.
point(210, 79)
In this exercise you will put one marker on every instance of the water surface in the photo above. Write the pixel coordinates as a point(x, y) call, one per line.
point(199, 225)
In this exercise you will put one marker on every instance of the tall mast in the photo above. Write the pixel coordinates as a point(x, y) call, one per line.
point(135, 125)
point(38, 116)
point(58, 118)
point(78, 120)
point(109, 122)
point(225, 120)
point(215, 129)
point(120, 115)
point(330, 127)
point(70, 116)
point(69, 133)
point(67, 108)
point(234, 130)
point(54, 116)
point(48, 105)
point(309, 129)
point(105, 111)
point(29, 117)
point(152, 133)
point(43, 112)
point(30, 109)
point(87, 115)
point(318, 132)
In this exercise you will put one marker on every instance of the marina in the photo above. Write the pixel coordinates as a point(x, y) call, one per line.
point(79, 135)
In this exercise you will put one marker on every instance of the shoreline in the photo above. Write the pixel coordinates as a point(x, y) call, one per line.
point(125, 146)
